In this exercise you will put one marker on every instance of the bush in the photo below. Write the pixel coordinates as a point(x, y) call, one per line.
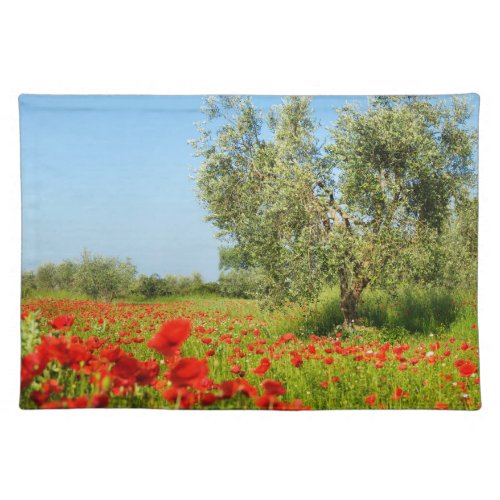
point(241, 283)
point(104, 277)
point(149, 286)
point(210, 288)
point(28, 282)
point(154, 286)
point(180, 285)
point(46, 277)
point(65, 275)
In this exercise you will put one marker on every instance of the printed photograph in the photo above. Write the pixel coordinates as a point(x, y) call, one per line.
point(249, 252)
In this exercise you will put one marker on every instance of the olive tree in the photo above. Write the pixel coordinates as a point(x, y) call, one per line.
point(46, 276)
point(149, 286)
point(66, 272)
point(309, 214)
point(28, 282)
point(104, 277)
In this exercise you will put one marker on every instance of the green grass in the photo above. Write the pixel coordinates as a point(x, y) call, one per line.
point(414, 310)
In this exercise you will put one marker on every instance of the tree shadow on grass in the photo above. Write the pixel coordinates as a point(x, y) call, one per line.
point(410, 309)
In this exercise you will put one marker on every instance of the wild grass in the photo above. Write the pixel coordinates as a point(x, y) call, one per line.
point(408, 309)
point(425, 322)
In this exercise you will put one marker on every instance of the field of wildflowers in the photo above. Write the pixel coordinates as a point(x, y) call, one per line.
point(215, 353)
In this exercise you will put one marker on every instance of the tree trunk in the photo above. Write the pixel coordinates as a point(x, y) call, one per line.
point(349, 297)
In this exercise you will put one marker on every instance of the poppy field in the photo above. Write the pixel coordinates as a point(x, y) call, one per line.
point(219, 353)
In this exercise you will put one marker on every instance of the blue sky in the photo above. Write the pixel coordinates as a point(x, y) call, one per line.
point(113, 174)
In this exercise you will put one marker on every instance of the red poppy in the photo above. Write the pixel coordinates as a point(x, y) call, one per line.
point(147, 372)
point(77, 355)
point(440, 406)
point(99, 401)
point(229, 388)
point(295, 405)
point(467, 368)
point(370, 399)
point(180, 396)
point(264, 365)
point(189, 372)
point(273, 388)
point(399, 393)
point(112, 353)
point(32, 365)
point(172, 334)
point(126, 368)
point(207, 399)
point(246, 388)
point(297, 360)
point(62, 322)
point(266, 402)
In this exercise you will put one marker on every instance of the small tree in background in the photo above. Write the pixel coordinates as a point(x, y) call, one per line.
point(66, 272)
point(242, 283)
point(150, 286)
point(47, 277)
point(28, 282)
point(104, 277)
point(237, 277)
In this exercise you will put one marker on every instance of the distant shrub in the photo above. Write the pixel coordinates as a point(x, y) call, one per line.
point(28, 282)
point(242, 283)
point(65, 274)
point(104, 277)
point(181, 285)
point(149, 286)
point(211, 288)
point(46, 277)
point(152, 286)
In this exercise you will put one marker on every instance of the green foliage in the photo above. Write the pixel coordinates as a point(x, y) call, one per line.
point(210, 288)
point(66, 272)
point(46, 277)
point(355, 211)
point(415, 309)
point(149, 286)
point(181, 285)
point(153, 286)
point(104, 277)
point(100, 277)
point(447, 258)
point(243, 283)
point(30, 333)
point(260, 193)
point(50, 276)
point(405, 310)
point(233, 258)
point(393, 334)
point(28, 282)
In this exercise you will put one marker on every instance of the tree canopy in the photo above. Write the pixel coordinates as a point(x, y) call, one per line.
point(348, 211)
